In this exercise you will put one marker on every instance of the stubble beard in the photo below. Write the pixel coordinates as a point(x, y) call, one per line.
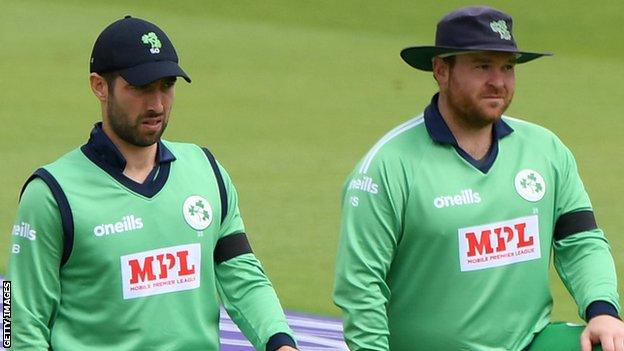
point(127, 130)
point(471, 112)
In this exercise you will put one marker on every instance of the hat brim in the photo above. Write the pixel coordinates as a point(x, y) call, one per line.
point(420, 57)
point(149, 72)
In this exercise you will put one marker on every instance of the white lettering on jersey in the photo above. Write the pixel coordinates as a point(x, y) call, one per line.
point(355, 201)
point(24, 230)
point(465, 197)
point(161, 271)
point(499, 244)
point(127, 223)
point(364, 183)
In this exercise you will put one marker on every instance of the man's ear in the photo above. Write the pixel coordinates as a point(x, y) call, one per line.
point(99, 86)
point(441, 71)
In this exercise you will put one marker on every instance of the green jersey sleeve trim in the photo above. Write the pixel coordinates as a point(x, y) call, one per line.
point(586, 267)
point(220, 183)
point(67, 219)
point(249, 298)
point(34, 268)
point(368, 159)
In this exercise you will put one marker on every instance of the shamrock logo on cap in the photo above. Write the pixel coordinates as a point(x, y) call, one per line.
point(500, 27)
point(152, 39)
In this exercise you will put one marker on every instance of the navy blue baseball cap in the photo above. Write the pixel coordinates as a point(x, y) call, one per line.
point(475, 28)
point(137, 49)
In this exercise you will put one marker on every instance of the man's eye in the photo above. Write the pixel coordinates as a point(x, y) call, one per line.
point(139, 87)
point(168, 83)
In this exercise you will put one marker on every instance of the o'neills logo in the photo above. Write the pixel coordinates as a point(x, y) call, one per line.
point(25, 230)
point(127, 223)
point(366, 183)
point(465, 197)
point(499, 244)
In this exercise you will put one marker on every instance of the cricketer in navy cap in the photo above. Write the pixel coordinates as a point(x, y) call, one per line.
point(138, 50)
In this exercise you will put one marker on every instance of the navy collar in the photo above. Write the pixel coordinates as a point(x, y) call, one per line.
point(103, 152)
point(101, 144)
point(440, 132)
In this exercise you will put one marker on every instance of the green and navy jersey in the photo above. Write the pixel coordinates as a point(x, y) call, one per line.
point(439, 251)
point(101, 262)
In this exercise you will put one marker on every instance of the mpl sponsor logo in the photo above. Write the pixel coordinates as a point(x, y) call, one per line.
point(161, 271)
point(499, 244)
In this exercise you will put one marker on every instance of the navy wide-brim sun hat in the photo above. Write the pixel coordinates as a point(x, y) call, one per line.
point(475, 28)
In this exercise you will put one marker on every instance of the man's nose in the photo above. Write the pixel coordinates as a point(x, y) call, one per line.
point(497, 78)
point(155, 102)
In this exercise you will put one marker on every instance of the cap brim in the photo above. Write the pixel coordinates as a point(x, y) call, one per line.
point(420, 57)
point(152, 71)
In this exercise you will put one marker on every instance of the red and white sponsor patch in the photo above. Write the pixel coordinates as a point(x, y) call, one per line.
point(160, 271)
point(499, 244)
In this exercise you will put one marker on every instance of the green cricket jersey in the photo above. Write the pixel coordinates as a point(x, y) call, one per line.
point(100, 262)
point(439, 251)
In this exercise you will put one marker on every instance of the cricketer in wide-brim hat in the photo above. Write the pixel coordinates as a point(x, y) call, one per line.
point(475, 28)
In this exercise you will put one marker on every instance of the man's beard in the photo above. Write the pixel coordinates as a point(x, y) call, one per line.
point(471, 112)
point(122, 125)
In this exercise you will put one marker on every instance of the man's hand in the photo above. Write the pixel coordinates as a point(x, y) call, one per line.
point(604, 330)
point(286, 348)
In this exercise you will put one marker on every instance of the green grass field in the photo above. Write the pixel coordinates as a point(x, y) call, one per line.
point(290, 94)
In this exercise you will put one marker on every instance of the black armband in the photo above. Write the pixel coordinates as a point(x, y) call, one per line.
point(574, 222)
point(231, 246)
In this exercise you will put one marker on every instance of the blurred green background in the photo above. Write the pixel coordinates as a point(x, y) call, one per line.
point(290, 94)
